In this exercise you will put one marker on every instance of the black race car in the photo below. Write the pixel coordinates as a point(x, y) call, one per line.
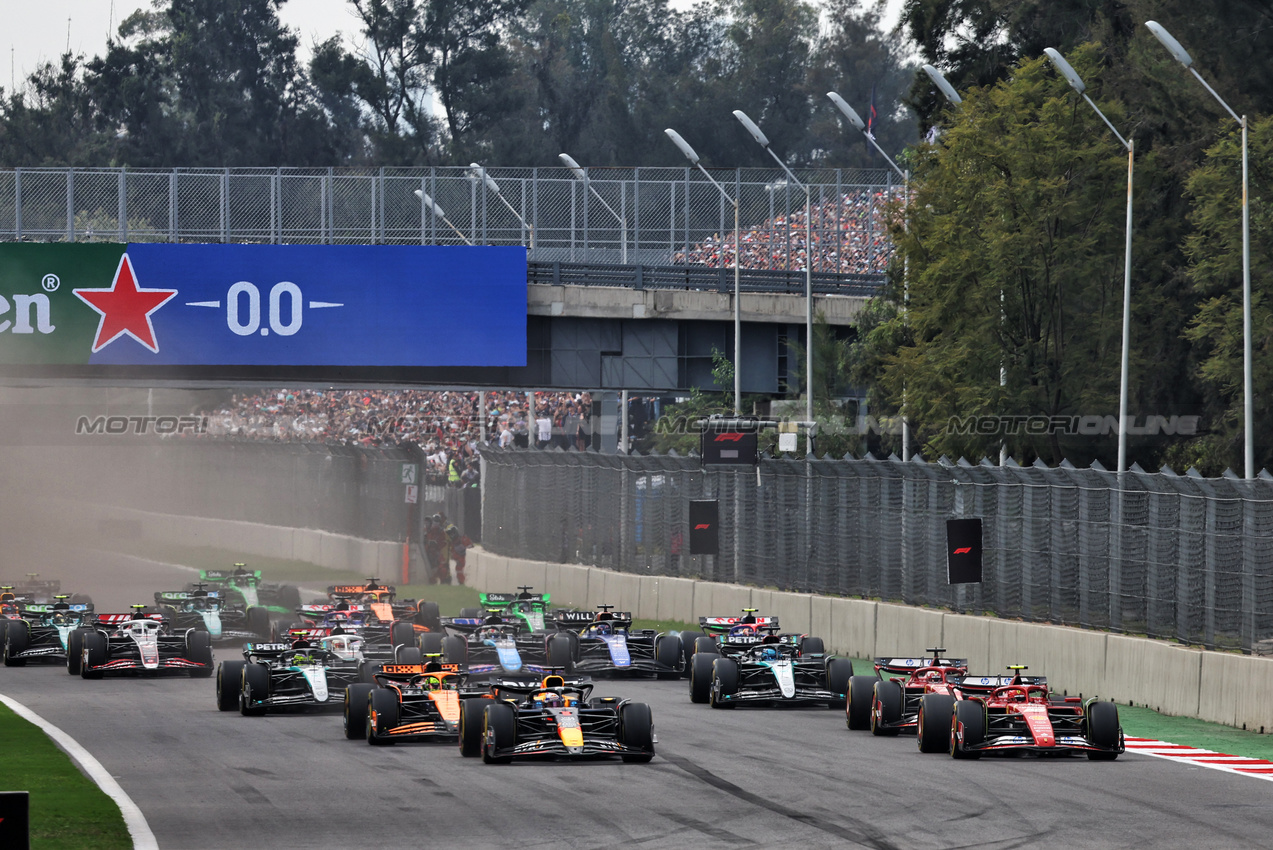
point(138, 642)
point(42, 632)
point(224, 620)
point(554, 717)
point(498, 645)
point(302, 673)
point(605, 642)
point(775, 670)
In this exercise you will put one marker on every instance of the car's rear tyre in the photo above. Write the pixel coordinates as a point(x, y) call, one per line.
point(724, 682)
point(887, 709)
point(258, 622)
point(689, 645)
point(701, 676)
point(16, 639)
point(382, 715)
point(560, 655)
point(499, 732)
point(470, 613)
point(402, 634)
point(455, 650)
point(471, 719)
point(706, 644)
point(428, 615)
point(857, 712)
point(75, 651)
point(839, 671)
point(812, 646)
point(367, 671)
point(669, 652)
point(229, 684)
point(408, 655)
point(636, 730)
point(967, 729)
point(289, 597)
point(1103, 730)
point(256, 687)
point(93, 656)
point(199, 651)
point(355, 710)
point(932, 732)
point(431, 643)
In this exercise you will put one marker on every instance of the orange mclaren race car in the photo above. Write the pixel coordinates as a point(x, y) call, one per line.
point(408, 702)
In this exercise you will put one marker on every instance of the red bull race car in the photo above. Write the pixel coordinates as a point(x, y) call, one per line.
point(1016, 713)
point(892, 700)
point(554, 718)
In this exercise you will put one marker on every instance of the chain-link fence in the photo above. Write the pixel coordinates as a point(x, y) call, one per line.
point(1167, 556)
point(629, 216)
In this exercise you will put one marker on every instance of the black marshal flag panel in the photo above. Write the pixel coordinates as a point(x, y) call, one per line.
point(963, 551)
point(704, 518)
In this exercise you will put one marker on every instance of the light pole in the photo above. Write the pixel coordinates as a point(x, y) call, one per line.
point(1248, 405)
point(582, 177)
point(427, 202)
point(479, 173)
point(763, 141)
point(738, 347)
point(1072, 77)
point(948, 91)
point(856, 120)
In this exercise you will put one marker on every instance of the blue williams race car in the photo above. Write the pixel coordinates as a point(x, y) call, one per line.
point(497, 645)
point(605, 642)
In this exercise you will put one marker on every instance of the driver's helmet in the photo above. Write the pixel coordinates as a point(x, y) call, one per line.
point(932, 676)
point(490, 632)
point(59, 618)
point(549, 699)
point(346, 647)
point(770, 653)
point(432, 683)
point(742, 630)
point(602, 629)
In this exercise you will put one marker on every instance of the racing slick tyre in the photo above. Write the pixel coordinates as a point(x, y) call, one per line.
point(706, 645)
point(471, 719)
point(75, 651)
point(356, 710)
point(402, 634)
point(431, 643)
point(499, 732)
point(94, 654)
point(887, 707)
point(669, 651)
point(812, 646)
point(701, 676)
point(1103, 730)
point(455, 650)
point(408, 655)
point(560, 655)
point(256, 687)
point(16, 639)
point(428, 615)
point(857, 712)
point(258, 622)
point(289, 597)
point(80, 599)
point(4, 628)
point(199, 650)
point(970, 718)
point(689, 643)
point(724, 681)
point(636, 730)
point(229, 684)
point(469, 613)
point(367, 670)
point(382, 715)
point(933, 732)
point(839, 672)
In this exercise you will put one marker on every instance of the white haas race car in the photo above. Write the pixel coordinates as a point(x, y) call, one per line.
point(137, 643)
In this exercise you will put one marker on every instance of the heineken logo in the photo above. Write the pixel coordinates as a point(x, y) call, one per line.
point(125, 308)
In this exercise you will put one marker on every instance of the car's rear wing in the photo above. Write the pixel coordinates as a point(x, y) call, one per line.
point(47, 608)
point(906, 666)
point(525, 687)
point(500, 600)
point(117, 619)
point(979, 685)
point(402, 672)
point(576, 620)
point(357, 591)
point(162, 596)
point(724, 624)
point(228, 575)
point(467, 625)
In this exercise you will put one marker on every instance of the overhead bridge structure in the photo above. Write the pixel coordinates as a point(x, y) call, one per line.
point(630, 279)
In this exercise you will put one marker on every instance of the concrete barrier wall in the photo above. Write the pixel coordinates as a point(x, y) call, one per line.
point(1219, 687)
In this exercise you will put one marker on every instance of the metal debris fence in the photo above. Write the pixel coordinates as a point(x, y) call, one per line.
point(1168, 556)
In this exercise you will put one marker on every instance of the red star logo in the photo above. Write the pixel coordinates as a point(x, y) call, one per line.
point(125, 308)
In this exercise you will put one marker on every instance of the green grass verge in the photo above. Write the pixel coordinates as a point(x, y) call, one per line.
point(68, 811)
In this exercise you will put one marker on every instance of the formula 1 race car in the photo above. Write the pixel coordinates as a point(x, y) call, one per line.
point(224, 621)
point(773, 671)
point(381, 600)
point(496, 645)
point(382, 641)
point(554, 717)
point(531, 608)
point(302, 673)
point(408, 702)
point(43, 631)
point(997, 714)
point(138, 643)
point(37, 590)
point(901, 691)
point(605, 642)
point(244, 586)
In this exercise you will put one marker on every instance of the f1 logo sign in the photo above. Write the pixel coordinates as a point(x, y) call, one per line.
point(704, 515)
point(727, 438)
point(963, 550)
point(702, 525)
point(963, 541)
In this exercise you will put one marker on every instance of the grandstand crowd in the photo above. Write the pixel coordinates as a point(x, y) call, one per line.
point(849, 237)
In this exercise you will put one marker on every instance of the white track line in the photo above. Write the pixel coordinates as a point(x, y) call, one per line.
point(143, 838)
point(1198, 757)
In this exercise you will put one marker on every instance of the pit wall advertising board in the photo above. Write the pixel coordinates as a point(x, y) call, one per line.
point(146, 304)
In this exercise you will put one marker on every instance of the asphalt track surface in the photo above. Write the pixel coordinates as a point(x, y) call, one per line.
point(749, 777)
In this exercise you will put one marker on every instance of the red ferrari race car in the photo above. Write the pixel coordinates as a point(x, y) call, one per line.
point(902, 691)
point(997, 714)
